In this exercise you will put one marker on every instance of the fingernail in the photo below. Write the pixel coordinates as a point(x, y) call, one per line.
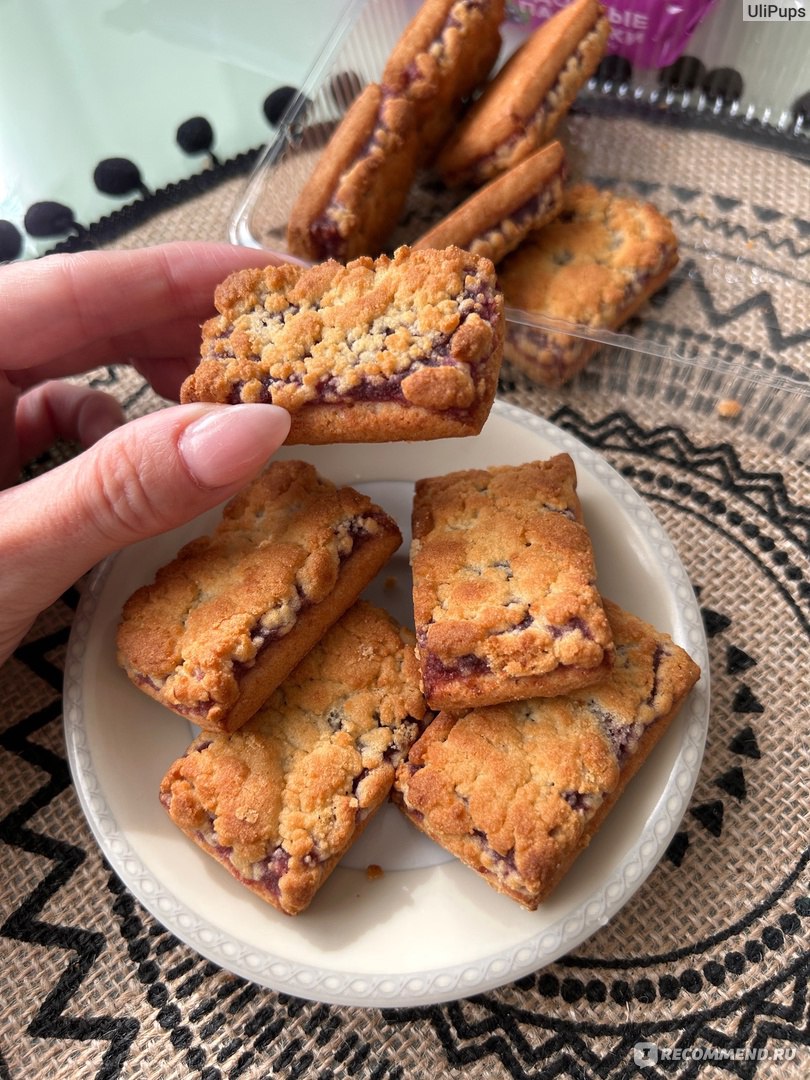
point(232, 442)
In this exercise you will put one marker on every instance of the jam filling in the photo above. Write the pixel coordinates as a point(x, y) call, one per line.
point(508, 233)
point(329, 230)
point(624, 738)
point(476, 299)
point(269, 871)
point(263, 636)
point(582, 801)
point(436, 672)
point(575, 625)
point(503, 863)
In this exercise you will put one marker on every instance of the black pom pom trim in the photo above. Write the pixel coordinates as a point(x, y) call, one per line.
point(48, 219)
point(118, 176)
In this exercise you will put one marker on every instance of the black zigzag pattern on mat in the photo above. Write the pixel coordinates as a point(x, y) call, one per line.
point(737, 231)
point(254, 1018)
point(484, 1028)
point(690, 275)
point(721, 225)
point(765, 492)
point(24, 924)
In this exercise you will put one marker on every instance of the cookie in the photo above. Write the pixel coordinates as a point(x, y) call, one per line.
point(445, 53)
point(516, 791)
point(407, 347)
point(227, 620)
point(357, 189)
point(594, 265)
point(497, 218)
point(504, 586)
point(521, 107)
point(280, 801)
point(359, 183)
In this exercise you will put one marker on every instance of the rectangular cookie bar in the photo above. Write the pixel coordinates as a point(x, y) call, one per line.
point(496, 219)
point(504, 586)
point(594, 265)
point(226, 621)
point(278, 802)
point(516, 791)
point(356, 192)
point(358, 186)
point(380, 350)
point(519, 110)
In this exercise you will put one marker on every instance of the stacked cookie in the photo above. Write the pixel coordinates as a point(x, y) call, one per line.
point(315, 706)
point(359, 188)
point(550, 698)
point(307, 699)
point(572, 254)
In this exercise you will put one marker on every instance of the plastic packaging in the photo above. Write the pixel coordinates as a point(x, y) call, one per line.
point(727, 340)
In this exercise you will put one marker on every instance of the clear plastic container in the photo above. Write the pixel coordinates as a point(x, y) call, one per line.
point(728, 338)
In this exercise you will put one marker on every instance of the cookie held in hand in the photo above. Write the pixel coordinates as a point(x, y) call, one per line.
point(402, 348)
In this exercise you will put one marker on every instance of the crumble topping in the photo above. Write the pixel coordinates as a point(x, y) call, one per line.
point(504, 579)
point(194, 632)
point(512, 789)
point(281, 799)
point(420, 328)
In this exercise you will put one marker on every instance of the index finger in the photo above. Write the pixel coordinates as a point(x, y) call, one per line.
point(51, 307)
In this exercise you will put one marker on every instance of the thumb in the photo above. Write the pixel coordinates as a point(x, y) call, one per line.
point(144, 478)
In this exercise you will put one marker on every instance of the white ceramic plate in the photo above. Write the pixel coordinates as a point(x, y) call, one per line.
point(429, 929)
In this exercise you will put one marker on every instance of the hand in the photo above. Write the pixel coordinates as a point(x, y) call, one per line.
point(65, 314)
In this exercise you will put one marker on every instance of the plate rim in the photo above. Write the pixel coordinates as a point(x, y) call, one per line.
point(446, 983)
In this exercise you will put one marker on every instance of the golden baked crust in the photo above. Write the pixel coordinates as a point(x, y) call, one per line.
point(280, 801)
point(505, 600)
point(407, 347)
point(360, 182)
point(495, 220)
point(226, 621)
point(516, 791)
point(358, 188)
point(595, 265)
point(444, 54)
point(522, 106)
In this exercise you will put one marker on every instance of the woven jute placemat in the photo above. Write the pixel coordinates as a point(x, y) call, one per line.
point(708, 962)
